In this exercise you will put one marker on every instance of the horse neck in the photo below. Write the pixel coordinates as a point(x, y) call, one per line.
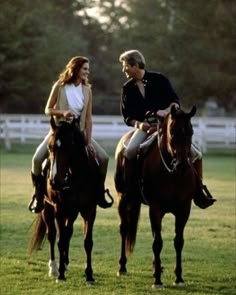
point(80, 163)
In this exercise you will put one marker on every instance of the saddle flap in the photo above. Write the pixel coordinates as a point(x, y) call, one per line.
point(145, 147)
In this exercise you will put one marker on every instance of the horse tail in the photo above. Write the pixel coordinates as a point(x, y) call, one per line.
point(38, 234)
point(119, 174)
point(129, 213)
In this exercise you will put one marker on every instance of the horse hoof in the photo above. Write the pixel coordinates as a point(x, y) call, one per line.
point(179, 284)
point(60, 280)
point(158, 286)
point(53, 273)
point(53, 270)
point(121, 273)
point(66, 267)
point(90, 282)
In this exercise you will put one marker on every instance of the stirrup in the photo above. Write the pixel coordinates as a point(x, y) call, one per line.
point(103, 203)
point(206, 200)
point(109, 196)
point(208, 194)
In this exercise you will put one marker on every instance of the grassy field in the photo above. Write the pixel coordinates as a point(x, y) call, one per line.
point(208, 256)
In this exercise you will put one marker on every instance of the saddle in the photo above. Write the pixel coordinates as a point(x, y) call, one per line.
point(145, 147)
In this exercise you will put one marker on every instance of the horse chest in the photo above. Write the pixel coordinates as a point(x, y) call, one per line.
point(169, 187)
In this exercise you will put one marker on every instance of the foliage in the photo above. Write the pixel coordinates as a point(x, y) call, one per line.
point(34, 50)
point(192, 42)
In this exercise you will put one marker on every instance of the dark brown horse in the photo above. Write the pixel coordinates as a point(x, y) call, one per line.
point(70, 191)
point(168, 186)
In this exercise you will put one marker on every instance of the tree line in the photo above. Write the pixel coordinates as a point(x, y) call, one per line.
point(192, 42)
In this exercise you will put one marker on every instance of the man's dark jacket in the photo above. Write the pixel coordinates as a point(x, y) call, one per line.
point(159, 94)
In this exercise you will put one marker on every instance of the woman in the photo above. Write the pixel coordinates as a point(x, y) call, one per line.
point(71, 96)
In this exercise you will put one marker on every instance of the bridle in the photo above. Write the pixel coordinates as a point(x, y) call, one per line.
point(171, 171)
point(150, 117)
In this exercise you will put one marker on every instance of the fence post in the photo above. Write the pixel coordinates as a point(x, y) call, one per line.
point(202, 127)
point(22, 130)
point(7, 141)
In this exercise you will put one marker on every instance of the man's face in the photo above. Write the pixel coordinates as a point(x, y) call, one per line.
point(129, 70)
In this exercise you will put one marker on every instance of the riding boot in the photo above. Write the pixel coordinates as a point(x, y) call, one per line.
point(202, 198)
point(36, 205)
point(99, 181)
point(102, 202)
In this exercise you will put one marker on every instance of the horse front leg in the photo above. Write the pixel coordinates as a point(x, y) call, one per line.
point(88, 244)
point(156, 218)
point(52, 265)
point(62, 242)
point(180, 222)
point(69, 232)
point(48, 217)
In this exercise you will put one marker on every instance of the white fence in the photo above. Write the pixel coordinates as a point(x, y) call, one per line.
point(209, 133)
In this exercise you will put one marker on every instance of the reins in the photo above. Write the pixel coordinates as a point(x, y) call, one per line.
point(151, 118)
point(160, 152)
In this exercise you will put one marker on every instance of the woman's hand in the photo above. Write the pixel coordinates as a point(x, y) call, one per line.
point(67, 114)
point(91, 150)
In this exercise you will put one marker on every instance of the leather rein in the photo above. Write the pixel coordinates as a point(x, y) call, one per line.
point(160, 152)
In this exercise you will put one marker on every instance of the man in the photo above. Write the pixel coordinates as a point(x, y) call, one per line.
point(148, 91)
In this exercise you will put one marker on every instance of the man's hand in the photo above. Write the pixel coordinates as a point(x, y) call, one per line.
point(162, 113)
point(144, 126)
point(91, 150)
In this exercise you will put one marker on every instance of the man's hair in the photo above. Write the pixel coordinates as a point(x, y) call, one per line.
point(133, 57)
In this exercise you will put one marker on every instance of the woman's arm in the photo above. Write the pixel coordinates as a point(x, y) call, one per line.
point(88, 128)
point(88, 121)
point(51, 104)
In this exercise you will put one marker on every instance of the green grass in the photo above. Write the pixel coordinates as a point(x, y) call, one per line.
point(208, 256)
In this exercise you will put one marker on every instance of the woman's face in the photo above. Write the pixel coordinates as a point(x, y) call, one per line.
point(84, 72)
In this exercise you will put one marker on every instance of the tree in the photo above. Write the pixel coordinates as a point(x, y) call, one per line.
point(192, 42)
point(34, 50)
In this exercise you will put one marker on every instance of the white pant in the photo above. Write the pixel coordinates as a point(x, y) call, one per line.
point(139, 137)
point(42, 152)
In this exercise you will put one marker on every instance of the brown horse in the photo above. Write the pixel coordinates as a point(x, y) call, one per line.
point(168, 186)
point(68, 194)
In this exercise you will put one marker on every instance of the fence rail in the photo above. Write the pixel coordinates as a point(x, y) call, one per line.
point(209, 132)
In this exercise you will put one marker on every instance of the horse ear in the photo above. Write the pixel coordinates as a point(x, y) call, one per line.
point(173, 111)
point(192, 112)
point(52, 123)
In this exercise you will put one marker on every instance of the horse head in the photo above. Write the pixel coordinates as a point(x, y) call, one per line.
point(64, 148)
point(179, 136)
